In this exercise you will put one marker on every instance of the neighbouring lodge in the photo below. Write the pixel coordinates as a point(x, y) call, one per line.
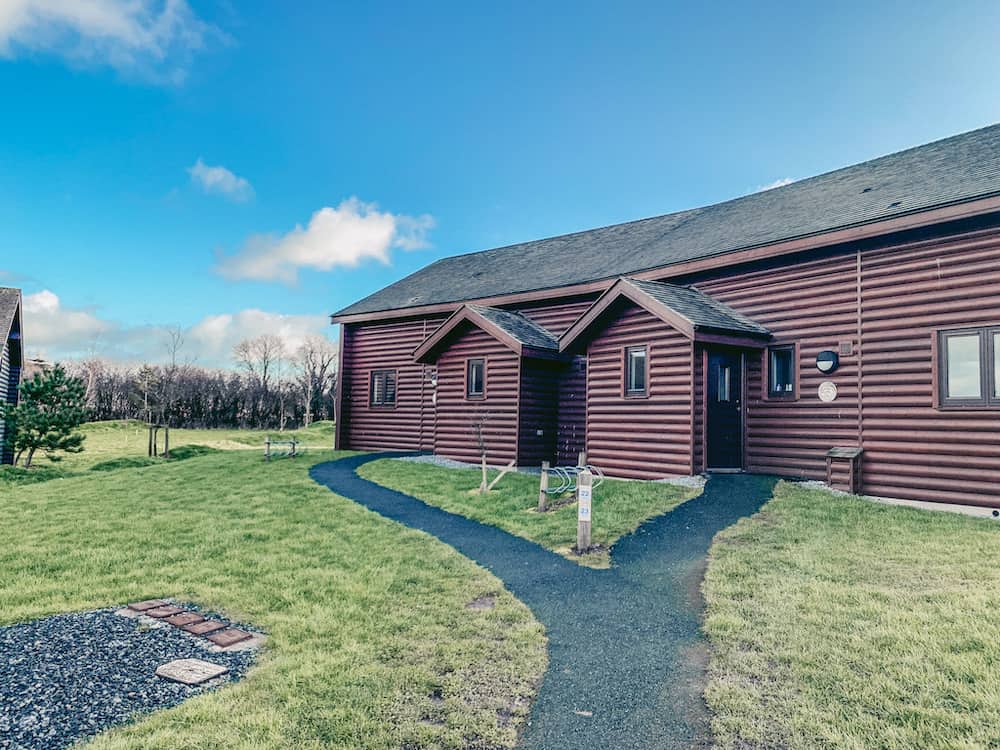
point(857, 312)
point(10, 357)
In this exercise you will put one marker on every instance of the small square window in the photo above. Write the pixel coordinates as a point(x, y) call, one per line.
point(475, 378)
point(382, 389)
point(781, 372)
point(636, 371)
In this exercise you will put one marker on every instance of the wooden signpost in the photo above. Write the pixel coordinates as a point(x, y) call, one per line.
point(584, 496)
point(543, 488)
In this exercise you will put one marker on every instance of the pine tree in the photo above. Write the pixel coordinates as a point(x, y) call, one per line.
point(51, 406)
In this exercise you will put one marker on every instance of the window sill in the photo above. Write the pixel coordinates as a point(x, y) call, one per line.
point(475, 398)
point(990, 408)
point(642, 395)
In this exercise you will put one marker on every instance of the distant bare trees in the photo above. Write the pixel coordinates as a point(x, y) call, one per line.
point(272, 388)
point(315, 373)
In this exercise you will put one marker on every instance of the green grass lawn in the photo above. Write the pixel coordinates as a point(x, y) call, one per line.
point(839, 623)
point(371, 644)
point(618, 507)
point(129, 438)
point(125, 443)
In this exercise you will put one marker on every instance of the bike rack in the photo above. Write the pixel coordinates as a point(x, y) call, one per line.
point(565, 478)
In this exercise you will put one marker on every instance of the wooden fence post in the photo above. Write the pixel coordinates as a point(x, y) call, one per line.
point(542, 487)
point(582, 459)
point(166, 441)
point(149, 452)
point(584, 496)
point(267, 449)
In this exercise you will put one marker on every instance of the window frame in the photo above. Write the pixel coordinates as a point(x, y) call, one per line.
point(989, 399)
point(382, 373)
point(469, 396)
point(626, 371)
point(771, 395)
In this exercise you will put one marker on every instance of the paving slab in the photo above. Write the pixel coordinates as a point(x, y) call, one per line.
point(147, 604)
point(165, 611)
point(228, 637)
point(255, 641)
point(184, 618)
point(190, 671)
point(204, 627)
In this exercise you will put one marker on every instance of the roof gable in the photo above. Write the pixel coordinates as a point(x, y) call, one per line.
point(518, 333)
point(10, 321)
point(10, 304)
point(955, 170)
point(696, 315)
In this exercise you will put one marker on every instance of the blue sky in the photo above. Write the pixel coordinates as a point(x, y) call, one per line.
point(234, 168)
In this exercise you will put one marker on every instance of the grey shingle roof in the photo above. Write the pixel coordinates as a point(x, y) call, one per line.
point(9, 301)
point(528, 332)
point(703, 311)
point(953, 170)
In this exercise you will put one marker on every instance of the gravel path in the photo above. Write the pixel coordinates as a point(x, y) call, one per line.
point(626, 654)
point(70, 676)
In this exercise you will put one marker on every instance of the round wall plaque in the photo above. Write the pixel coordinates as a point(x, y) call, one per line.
point(827, 391)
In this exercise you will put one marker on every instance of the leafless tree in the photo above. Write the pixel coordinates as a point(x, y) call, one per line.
point(260, 357)
point(315, 365)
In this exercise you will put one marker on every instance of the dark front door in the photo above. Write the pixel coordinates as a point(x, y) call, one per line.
point(724, 430)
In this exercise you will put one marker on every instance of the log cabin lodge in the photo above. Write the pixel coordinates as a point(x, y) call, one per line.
point(844, 327)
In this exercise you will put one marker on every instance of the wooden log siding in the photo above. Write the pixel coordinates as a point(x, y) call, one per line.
point(644, 438)
point(557, 318)
point(888, 302)
point(409, 425)
point(571, 429)
point(698, 410)
point(539, 401)
point(913, 449)
point(6, 385)
point(812, 303)
point(454, 436)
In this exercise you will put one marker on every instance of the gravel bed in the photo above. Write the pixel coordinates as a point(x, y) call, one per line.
point(71, 676)
point(429, 458)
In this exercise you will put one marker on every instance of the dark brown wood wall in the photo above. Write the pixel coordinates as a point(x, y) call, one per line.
point(639, 437)
point(571, 430)
point(913, 449)
point(888, 303)
point(557, 317)
point(813, 304)
point(571, 414)
point(410, 424)
point(455, 413)
point(539, 403)
point(698, 411)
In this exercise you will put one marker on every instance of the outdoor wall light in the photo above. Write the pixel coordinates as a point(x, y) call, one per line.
point(827, 361)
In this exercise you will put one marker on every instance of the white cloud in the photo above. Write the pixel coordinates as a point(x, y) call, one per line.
point(212, 339)
point(150, 38)
point(776, 184)
point(343, 236)
point(54, 332)
point(48, 324)
point(220, 181)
